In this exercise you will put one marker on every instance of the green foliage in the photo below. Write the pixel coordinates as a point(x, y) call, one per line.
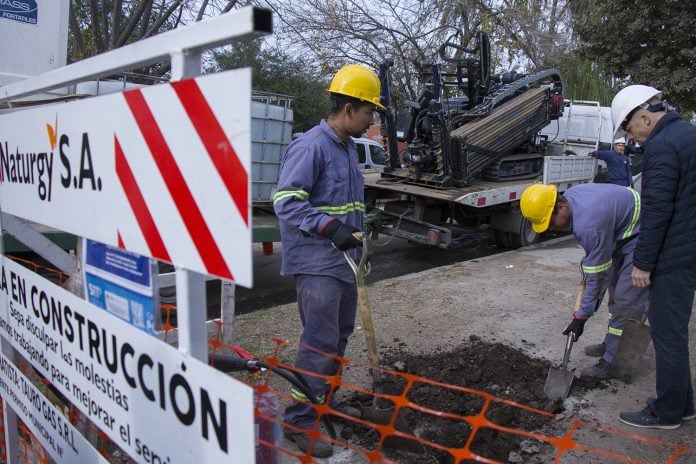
point(583, 81)
point(643, 42)
point(275, 71)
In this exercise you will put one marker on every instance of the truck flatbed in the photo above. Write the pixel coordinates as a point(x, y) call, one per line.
point(480, 193)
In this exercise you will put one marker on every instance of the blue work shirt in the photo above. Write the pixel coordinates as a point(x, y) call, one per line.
point(605, 219)
point(319, 180)
point(618, 167)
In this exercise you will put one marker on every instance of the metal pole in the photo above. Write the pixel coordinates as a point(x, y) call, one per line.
point(8, 414)
point(227, 296)
point(190, 286)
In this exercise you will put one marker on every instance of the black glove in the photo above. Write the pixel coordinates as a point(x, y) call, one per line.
point(592, 154)
point(575, 327)
point(341, 235)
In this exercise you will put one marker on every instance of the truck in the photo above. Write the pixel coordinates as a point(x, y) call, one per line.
point(475, 143)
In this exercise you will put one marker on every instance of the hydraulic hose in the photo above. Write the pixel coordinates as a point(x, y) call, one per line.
point(231, 363)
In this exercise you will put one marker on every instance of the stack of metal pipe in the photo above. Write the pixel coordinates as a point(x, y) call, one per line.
point(483, 141)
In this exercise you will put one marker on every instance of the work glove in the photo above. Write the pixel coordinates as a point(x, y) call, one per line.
point(575, 327)
point(592, 154)
point(341, 235)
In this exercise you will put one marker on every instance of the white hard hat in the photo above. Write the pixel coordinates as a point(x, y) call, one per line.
point(620, 140)
point(627, 100)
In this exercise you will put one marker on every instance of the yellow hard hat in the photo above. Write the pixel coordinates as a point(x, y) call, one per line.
point(357, 81)
point(537, 205)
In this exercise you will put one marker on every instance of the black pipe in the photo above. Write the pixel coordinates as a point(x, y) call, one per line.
point(232, 363)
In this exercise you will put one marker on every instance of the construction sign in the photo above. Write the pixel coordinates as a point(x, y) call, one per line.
point(53, 429)
point(155, 402)
point(162, 171)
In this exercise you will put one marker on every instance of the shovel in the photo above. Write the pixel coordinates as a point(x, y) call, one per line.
point(560, 379)
point(361, 270)
point(634, 341)
point(378, 413)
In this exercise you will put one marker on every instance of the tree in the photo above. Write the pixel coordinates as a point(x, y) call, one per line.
point(584, 81)
point(331, 33)
point(274, 71)
point(529, 34)
point(641, 42)
point(100, 26)
point(536, 31)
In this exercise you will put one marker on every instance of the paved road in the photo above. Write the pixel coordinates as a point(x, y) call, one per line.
point(395, 258)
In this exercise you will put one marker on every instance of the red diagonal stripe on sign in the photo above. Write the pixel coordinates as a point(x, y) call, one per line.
point(176, 184)
point(219, 148)
point(139, 207)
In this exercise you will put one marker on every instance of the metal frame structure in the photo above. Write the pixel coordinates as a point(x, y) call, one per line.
point(183, 47)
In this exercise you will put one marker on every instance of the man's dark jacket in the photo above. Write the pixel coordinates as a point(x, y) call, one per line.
point(668, 194)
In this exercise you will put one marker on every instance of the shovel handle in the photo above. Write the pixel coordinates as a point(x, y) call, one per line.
point(578, 297)
point(566, 352)
point(360, 270)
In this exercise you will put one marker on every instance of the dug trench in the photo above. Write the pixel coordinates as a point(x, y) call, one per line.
point(496, 369)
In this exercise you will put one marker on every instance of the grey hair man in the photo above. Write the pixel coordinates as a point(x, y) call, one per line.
point(665, 256)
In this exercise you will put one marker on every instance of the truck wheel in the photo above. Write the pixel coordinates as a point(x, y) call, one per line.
point(523, 234)
point(526, 237)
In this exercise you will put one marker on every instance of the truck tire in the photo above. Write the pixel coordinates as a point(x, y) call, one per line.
point(522, 235)
point(526, 237)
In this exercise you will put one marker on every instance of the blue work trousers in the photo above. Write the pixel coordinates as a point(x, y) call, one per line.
point(625, 302)
point(327, 310)
point(671, 301)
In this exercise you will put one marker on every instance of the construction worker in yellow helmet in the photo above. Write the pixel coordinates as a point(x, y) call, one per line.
point(320, 203)
point(604, 219)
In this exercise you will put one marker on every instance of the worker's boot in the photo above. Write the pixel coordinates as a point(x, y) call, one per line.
point(600, 371)
point(596, 351)
point(344, 409)
point(317, 448)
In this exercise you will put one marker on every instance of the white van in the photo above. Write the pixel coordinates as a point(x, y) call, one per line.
point(371, 154)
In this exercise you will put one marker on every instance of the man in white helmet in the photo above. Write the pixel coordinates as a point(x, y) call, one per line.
point(665, 256)
point(618, 163)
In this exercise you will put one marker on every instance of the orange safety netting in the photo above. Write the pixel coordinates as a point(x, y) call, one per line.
point(579, 439)
point(377, 440)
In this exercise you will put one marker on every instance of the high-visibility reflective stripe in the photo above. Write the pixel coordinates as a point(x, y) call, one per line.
point(282, 194)
point(333, 210)
point(299, 396)
point(615, 331)
point(636, 214)
point(343, 209)
point(596, 269)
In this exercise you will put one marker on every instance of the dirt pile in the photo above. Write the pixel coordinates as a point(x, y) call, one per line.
point(496, 369)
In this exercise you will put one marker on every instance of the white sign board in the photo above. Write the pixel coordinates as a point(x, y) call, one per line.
point(34, 37)
point(53, 430)
point(153, 401)
point(162, 171)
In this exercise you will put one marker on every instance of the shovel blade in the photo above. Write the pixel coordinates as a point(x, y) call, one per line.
point(635, 339)
point(558, 383)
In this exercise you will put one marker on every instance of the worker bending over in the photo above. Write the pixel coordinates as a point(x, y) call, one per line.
point(604, 219)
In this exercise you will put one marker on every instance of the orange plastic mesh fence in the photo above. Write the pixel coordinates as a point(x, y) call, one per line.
point(577, 438)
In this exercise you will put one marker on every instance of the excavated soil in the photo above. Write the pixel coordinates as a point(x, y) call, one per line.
point(494, 368)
